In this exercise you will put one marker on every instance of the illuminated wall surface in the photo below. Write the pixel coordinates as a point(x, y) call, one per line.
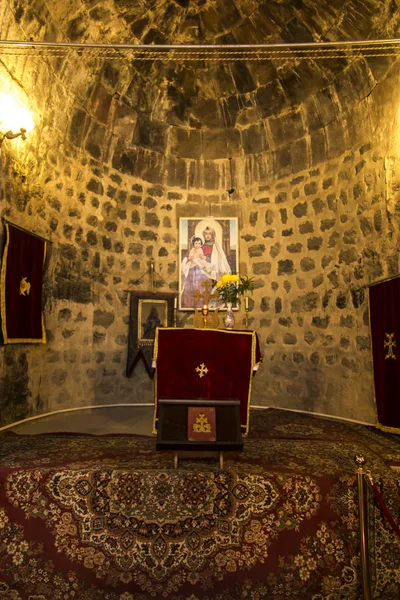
point(123, 145)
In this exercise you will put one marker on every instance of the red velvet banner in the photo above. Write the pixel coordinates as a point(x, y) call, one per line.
point(204, 363)
point(384, 301)
point(21, 287)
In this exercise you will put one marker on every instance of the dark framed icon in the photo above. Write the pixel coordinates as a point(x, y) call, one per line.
point(147, 311)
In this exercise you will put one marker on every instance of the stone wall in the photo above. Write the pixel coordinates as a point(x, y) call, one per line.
point(312, 242)
point(312, 153)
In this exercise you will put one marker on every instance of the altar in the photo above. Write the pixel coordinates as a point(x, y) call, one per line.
point(209, 364)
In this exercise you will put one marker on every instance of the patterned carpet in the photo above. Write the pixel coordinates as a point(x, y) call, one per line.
point(108, 518)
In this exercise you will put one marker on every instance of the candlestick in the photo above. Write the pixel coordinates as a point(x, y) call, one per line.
point(204, 310)
point(175, 307)
point(246, 303)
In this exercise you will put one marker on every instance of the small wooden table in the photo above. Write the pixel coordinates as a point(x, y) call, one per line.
point(172, 432)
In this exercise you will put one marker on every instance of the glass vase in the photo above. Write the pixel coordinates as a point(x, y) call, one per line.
point(229, 319)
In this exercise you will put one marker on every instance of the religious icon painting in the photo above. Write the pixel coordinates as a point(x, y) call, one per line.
point(152, 313)
point(208, 249)
point(148, 310)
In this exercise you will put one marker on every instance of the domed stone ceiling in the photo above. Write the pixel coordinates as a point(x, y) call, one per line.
point(283, 110)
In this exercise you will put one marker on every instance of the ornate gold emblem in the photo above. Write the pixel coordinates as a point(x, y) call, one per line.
point(207, 295)
point(24, 287)
point(202, 370)
point(389, 343)
point(202, 424)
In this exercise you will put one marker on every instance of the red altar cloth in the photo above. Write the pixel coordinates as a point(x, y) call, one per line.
point(384, 299)
point(21, 287)
point(205, 363)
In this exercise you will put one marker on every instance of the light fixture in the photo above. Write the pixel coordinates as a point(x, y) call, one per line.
point(231, 189)
point(15, 118)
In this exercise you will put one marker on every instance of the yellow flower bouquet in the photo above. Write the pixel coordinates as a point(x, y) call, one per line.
point(232, 286)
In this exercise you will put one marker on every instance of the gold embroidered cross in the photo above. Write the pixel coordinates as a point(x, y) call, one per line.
point(390, 343)
point(202, 424)
point(202, 370)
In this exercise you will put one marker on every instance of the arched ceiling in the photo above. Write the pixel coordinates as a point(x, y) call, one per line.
point(214, 109)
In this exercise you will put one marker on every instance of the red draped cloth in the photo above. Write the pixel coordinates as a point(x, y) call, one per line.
point(206, 363)
point(21, 287)
point(384, 301)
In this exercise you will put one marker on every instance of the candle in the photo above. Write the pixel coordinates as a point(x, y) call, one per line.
point(175, 302)
point(246, 303)
point(205, 310)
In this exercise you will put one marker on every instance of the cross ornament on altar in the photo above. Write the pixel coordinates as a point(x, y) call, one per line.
point(206, 296)
point(201, 370)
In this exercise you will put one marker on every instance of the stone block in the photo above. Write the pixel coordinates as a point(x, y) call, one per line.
point(302, 82)
point(366, 226)
point(283, 214)
point(289, 339)
point(286, 128)
point(124, 122)
point(151, 220)
point(327, 224)
point(253, 217)
point(306, 303)
point(100, 103)
point(256, 250)
point(309, 337)
point(242, 77)
point(283, 161)
point(318, 280)
point(270, 99)
point(270, 233)
point(294, 248)
point(314, 243)
point(300, 153)
point(336, 139)
point(214, 144)
point(177, 170)
point(265, 303)
point(78, 127)
point(151, 134)
point(326, 298)
point(350, 236)
point(319, 147)
point(311, 188)
point(300, 209)
point(254, 139)
point(321, 322)
point(286, 267)
point(307, 264)
point(103, 318)
point(262, 268)
point(348, 256)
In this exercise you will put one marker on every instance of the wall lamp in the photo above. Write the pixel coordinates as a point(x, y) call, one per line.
point(15, 118)
point(9, 135)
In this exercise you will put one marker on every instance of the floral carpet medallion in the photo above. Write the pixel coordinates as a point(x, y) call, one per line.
point(162, 529)
point(107, 518)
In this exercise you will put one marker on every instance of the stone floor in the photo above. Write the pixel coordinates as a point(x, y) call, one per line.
point(97, 421)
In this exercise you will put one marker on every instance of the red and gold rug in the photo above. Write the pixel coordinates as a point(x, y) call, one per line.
point(107, 518)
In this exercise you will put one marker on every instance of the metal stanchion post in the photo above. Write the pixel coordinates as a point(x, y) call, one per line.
point(364, 560)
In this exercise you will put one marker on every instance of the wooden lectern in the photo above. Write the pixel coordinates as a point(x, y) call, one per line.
point(207, 367)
